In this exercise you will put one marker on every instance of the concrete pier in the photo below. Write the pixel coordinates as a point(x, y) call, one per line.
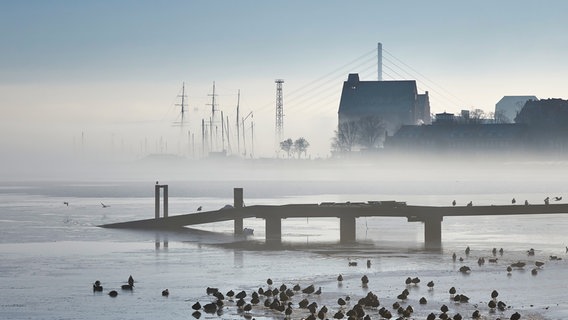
point(273, 230)
point(238, 203)
point(347, 229)
point(433, 232)
point(347, 213)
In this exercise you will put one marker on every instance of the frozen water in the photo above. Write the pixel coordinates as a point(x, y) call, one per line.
point(52, 253)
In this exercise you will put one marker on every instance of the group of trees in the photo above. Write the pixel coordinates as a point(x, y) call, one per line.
point(367, 132)
point(298, 146)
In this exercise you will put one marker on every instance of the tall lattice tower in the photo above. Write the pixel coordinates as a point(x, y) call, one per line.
point(279, 111)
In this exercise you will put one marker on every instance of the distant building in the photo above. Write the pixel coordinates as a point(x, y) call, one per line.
point(509, 106)
point(540, 127)
point(396, 103)
point(446, 135)
point(547, 120)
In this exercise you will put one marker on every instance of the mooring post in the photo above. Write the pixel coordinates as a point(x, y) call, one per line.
point(273, 230)
point(347, 229)
point(165, 200)
point(238, 203)
point(433, 231)
point(157, 201)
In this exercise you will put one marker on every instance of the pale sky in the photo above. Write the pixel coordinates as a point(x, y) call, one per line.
point(110, 71)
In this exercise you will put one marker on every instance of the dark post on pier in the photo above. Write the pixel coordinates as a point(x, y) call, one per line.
point(157, 199)
point(238, 203)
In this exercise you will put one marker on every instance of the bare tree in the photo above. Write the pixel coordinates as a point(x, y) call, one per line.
point(371, 129)
point(346, 136)
point(286, 146)
point(301, 145)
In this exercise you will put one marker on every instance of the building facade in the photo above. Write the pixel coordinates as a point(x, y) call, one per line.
point(396, 103)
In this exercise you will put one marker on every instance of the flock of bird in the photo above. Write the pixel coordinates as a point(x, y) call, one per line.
point(294, 301)
point(514, 201)
point(281, 300)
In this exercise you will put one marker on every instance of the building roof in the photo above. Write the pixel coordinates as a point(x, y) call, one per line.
point(362, 96)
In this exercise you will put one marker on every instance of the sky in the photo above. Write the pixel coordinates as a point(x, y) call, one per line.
point(103, 77)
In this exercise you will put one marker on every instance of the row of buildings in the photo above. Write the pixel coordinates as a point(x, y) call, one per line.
point(519, 124)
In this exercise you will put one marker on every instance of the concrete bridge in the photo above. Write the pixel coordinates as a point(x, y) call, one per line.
point(347, 213)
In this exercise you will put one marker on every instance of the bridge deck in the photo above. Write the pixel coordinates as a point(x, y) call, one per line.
point(344, 210)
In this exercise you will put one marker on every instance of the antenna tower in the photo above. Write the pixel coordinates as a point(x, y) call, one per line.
point(182, 104)
point(279, 111)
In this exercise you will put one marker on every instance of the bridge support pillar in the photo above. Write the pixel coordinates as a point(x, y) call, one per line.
point(433, 232)
point(157, 200)
point(238, 203)
point(347, 229)
point(273, 230)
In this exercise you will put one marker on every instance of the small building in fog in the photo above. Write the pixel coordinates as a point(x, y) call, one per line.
point(509, 106)
point(396, 103)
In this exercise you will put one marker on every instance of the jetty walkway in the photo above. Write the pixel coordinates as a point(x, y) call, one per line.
point(347, 213)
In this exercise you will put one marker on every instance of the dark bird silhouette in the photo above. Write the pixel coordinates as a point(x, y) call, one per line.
point(247, 308)
point(494, 294)
point(547, 200)
point(513, 201)
point(199, 208)
point(131, 281)
point(66, 203)
point(408, 281)
point(430, 284)
point(467, 250)
point(415, 281)
point(318, 291)
point(297, 286)
point(534, 271)
point(341, 302)
point(454, 203)
point(526, 202)
point(269, 281)
point(476, 315)
point(457, 316)
point(113, 293)
point(364, 279)
point(469, 204)
point(241, 295)
point(210, 308)
point(97, 286)
point(105, 205)
point(241, 303)
point(338, 315)
point(491, 304)
point(509, 269)
point(557, 198)
point(515, 316)
point(444, 308)
point(465, 269)
point(211, 290)
point(431, 316)
point(340, 277)
point(196, 306)
point(166, 293)
point(230, 294)
point(127, 287)
point(368, 263)
point(452, 291)
point(309, 289)
point(423, 300)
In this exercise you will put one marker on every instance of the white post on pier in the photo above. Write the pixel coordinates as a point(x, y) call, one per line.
point(157, 189)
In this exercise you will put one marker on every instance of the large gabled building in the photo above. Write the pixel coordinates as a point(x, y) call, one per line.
point(396, 103)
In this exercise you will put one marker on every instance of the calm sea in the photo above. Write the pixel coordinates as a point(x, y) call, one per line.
point(52, 252)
